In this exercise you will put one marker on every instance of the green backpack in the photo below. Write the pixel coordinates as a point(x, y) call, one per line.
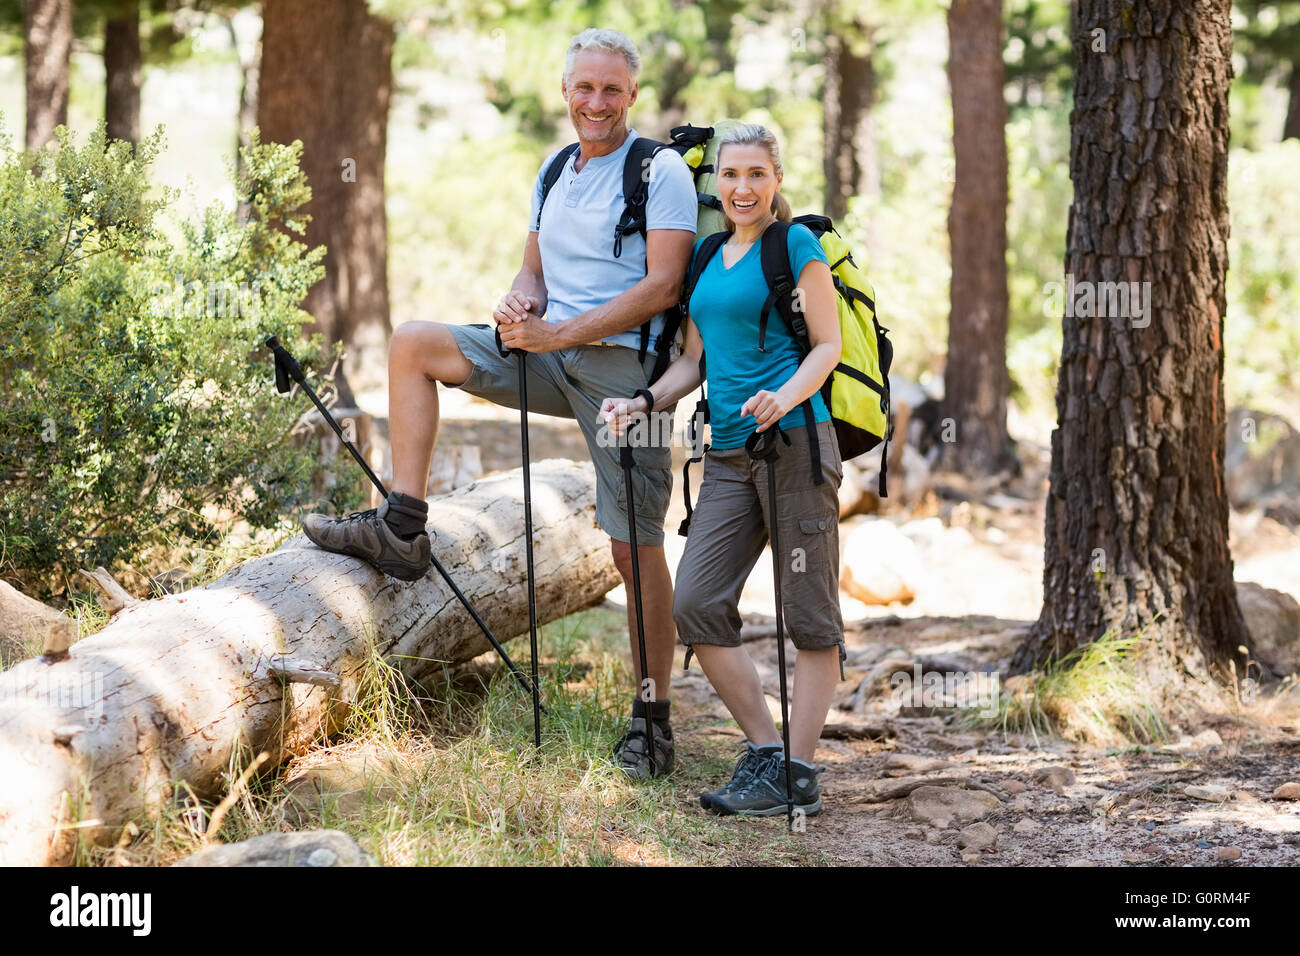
point(857, 391)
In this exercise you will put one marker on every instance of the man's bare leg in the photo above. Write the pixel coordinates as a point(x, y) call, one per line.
point(656, 604)
point(420, 354)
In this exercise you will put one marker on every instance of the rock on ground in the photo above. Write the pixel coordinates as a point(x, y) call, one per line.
point(312, 848)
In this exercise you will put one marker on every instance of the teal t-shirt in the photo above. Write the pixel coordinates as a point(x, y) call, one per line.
point(725, 307)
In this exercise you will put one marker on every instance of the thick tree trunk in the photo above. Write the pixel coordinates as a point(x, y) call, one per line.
point(267, 658)
point(123, 73)
point(47, 38)
point(1137, 516)
point(1291, 128)
point(326, 79)
point(975, 380)
point(848, 139)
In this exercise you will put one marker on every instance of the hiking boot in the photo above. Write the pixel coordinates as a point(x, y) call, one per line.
point(632, 751)
point(366, 535)
point(763, 794)
point(750, 761)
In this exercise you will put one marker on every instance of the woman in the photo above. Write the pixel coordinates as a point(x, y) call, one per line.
point(752, 390)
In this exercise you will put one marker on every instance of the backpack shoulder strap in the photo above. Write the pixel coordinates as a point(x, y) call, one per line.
point(552, 176)
point(708, 249)
point(636, 189)
point(775, 259)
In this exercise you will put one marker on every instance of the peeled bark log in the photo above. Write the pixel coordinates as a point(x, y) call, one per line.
point(267, 658)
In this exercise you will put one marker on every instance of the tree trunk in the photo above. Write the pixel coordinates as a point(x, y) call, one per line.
point(326, 79)
point(975, 380)
point(848, 139)
point(267, 658)
point(122, 68)
point(47, 38)
point(1291, 128)
point(1137, 515)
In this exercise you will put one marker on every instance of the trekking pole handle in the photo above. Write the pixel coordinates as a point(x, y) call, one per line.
point(505, 352)
point(284, 363)
point(762, 445)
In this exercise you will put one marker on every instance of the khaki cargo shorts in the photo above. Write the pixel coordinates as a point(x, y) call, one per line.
point(729, 528)
point(571, 383)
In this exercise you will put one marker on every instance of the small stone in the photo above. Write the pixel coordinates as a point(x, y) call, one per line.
point(1211, 793)
point(1150, 826)
point(970, 857)
point(1085, 863)
point(1288, 791)
point(977, 836)
point(1027, 825)
point(1013, 787)
point(1205, 844)
point(934, 804)
point(1229, 853)
point(1133, 857)
point(1054, 778)
point(1136, 804)
point(914, 762)
point(914, 833)
point(1244, 796)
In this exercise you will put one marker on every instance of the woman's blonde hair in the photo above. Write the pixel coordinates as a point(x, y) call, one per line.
point(751, 134)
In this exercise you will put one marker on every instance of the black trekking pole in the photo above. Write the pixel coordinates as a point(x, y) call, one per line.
point(528, 528)
point(286, 367)
point(647, 683)
point(763, 445)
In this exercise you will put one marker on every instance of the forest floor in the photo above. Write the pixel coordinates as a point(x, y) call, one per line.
point(909, 781)
point(1040, 799)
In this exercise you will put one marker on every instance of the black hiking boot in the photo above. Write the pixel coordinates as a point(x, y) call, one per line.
point(763, 794)
point(749, 763)
point(632, 752)
point(368, 536)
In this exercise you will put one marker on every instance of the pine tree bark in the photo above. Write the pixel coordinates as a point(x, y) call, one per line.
point(123, 67)
point(47, 40)
point(976, 381)
point(326, 79)
point(849, 147)
point(1137, 515)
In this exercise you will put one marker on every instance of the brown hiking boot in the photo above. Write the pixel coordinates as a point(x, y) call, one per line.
point(366, 535)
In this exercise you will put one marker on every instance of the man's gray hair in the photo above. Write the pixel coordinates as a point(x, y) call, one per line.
point(607, 41)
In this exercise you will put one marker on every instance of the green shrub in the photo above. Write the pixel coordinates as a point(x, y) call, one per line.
point(138, 410)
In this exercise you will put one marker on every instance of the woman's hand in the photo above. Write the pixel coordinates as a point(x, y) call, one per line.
point(767, 407)
point(617, 412)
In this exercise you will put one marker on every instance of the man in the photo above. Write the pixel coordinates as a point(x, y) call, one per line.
point(576, 308)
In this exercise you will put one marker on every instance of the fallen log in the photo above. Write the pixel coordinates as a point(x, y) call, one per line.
point(267, 657)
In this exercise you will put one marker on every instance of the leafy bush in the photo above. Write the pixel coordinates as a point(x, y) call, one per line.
point(138, 409)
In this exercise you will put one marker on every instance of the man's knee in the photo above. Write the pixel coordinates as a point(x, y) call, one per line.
point(431, 348)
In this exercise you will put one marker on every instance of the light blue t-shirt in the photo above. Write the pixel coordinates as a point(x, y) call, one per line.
point(725, 307)
point(577, 234)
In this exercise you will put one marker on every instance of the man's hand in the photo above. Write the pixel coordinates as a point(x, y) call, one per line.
point(532, 333)
point(513, 307)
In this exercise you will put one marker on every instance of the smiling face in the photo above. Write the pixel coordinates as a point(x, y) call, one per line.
point(599, 91)
point(747, 181)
